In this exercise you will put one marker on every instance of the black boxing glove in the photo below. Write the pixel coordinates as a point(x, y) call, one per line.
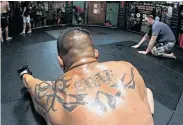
point(24, 70)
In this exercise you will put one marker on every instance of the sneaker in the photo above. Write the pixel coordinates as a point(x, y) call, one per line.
point(29, 31)
point(22, 33)
point(9, 38)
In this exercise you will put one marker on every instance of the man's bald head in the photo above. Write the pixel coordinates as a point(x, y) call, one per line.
point(74, 44)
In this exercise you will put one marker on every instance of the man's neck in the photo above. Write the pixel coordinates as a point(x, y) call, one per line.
point(81, 62)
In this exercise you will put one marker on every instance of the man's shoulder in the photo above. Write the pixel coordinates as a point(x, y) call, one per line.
point(156, 24)
point(109, 65)
point(118, 63)
point(7, 3)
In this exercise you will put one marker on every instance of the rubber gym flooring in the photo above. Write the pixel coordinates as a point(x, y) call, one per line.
point(38, 50)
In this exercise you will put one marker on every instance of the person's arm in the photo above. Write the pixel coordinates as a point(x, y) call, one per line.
point(155, 32)
point(150, 99)
point(24, 10)
point(151, 44)
point(8, 6)
point(145, 92)
point(38, 89)
point(142, 41)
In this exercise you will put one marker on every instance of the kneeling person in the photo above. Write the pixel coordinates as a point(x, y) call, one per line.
point(162, 39)
point(89, 92)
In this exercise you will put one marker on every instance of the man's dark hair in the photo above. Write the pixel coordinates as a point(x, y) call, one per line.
point(75, 43)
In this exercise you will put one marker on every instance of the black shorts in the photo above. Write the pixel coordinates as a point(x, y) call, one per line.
point(4, 20)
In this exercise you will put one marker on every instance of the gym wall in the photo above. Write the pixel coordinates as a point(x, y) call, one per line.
point(120, 14)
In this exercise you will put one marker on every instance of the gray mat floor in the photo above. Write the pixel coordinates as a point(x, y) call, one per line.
point(103, 36)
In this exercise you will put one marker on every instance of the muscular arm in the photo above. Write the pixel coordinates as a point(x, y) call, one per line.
point(155, 32)
point(139, 81)
point(145, 93)
point(38, 89)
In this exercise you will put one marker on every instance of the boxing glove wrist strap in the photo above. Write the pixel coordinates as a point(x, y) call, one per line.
point(24, 72)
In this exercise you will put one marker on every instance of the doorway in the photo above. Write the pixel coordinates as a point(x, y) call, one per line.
point(96, 12)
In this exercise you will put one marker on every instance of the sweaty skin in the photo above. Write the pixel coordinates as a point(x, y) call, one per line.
point(109, 93)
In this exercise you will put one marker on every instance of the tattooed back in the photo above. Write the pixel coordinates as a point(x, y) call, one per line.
point(110, 93)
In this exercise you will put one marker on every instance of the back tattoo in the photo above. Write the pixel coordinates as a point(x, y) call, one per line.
point(61, 85)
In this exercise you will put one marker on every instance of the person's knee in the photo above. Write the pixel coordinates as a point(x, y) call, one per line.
point(155, 52)
point(169, 47)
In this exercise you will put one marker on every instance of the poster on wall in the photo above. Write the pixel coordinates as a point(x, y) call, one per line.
point(96, 5)
point(139, 10)
point(131, 22)
point(137, 14)
point(96, 11)
point(158, 13)
point(96, 8)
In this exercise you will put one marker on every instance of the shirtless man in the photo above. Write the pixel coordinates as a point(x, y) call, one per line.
point(5, 8)
point(89, 92)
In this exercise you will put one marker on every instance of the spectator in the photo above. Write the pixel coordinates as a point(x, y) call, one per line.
point(17, 19)
point(44, 15)
point(56, 18)
point(33, 7)
point(26, 17)
point(39, 14)
point(79, 14)
point(59, 15)
point(5, 8)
